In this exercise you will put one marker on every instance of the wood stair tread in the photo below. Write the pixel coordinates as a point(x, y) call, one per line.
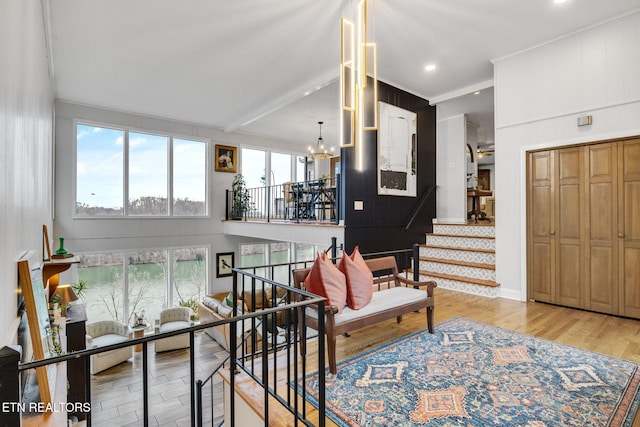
point(463, 263)
point(489, 283)
point(250, 392)
point(461, 235)
point(457, 248)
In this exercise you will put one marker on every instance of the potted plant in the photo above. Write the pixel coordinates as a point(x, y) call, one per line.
point(241, 202)
point(80, 287)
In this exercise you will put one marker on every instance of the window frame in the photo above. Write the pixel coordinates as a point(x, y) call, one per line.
point(267, 164)
point(169, 284)
point(125, 168)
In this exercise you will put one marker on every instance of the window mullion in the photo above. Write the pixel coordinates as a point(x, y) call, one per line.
point(170, 177)
point(125, 183)
point(169, 277)
point(125, 304)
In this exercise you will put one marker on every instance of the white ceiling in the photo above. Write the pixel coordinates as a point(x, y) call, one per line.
point(246, 65)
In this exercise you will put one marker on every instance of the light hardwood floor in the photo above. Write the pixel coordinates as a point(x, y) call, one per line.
point(601, 333)
point(117, 394)
point(605, 334)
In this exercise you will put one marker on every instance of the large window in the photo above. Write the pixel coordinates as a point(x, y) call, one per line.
point(280, 168)
point(263, 254)
point(189, 177)
point(120, 284)
point(157, 175)
point(301, 170)
point(261, 168)
point(148, 174)
point(99, 171)
point(253, 167)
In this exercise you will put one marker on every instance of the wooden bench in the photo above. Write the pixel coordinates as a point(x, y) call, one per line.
point(393, 296)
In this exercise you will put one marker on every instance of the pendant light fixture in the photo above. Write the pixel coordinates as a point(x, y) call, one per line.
point(320, 152)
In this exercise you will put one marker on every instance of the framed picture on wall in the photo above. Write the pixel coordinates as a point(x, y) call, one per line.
point(226, 158)
point(397, 151)
point(224, 264)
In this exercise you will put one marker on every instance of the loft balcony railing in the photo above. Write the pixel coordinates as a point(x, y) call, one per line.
point(258, 355)
point(316, 201)
point(267, 348)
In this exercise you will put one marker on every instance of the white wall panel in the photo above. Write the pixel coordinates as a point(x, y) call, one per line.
point(540, 94)
point(451, 171)
point(587, 70)
point(26, 146)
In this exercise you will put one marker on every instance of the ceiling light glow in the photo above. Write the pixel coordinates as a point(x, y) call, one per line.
point(430, 67)
point(559, 1)
point(476, 92)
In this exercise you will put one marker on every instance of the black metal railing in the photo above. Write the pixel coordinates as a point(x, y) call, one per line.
point(288, 301)
point(267, 350)
point(419, 205)
point(268, 342)
point(407, 260)
point(306, 201)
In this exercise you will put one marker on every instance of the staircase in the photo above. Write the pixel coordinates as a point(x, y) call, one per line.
point(461, 257)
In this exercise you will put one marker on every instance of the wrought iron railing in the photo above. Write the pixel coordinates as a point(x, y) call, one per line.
point(271, 341)
point(306, 201)
point(268, 352)
point(419, 205)
point(268, 345)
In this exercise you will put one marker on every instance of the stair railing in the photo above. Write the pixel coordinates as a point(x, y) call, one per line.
point(423, 199)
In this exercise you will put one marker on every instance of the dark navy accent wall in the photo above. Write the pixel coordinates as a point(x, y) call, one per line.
point(380, 226)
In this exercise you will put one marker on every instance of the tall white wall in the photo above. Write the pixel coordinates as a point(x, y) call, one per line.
point(539, 95)
point(451, 140)
point(26, 146)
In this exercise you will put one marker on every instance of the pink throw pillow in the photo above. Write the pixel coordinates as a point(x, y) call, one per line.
point(326, 280)
point(359, 279)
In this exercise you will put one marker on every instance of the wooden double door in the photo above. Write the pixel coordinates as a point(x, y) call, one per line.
point(583, 227)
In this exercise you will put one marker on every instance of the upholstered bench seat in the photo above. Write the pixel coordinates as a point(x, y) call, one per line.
point(381, 301)
point(392, 296)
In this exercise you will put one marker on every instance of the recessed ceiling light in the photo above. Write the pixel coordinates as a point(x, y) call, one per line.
point(559, 1)
point(430, 67)
point(476, 92)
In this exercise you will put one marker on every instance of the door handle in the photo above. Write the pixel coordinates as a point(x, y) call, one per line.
point(552, 232)
point(620, 234)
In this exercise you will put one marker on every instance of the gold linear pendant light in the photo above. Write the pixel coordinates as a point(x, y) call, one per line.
point(359, 106)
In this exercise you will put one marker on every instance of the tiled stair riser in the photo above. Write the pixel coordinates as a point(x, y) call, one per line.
point(461, 242)
point(456, 255)
point(468, 288)
point(458, 270)
point(465, 230)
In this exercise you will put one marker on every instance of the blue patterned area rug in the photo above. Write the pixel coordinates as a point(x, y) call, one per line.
point(472, 374)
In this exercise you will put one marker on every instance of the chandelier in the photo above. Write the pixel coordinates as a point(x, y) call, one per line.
point(320, 152)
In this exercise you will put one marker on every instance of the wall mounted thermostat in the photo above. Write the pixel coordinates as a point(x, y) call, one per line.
point(585, 120)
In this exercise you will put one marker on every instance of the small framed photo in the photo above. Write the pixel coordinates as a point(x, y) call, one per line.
point(226, 158)
point(224, 264)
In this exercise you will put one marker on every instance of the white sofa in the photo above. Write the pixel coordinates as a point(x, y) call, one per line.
point(107, 332)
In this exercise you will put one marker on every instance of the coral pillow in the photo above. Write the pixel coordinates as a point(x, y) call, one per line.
point(326, 280)
point(359, 279)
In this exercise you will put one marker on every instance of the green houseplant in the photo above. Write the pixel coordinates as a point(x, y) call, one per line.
point(241, 202)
